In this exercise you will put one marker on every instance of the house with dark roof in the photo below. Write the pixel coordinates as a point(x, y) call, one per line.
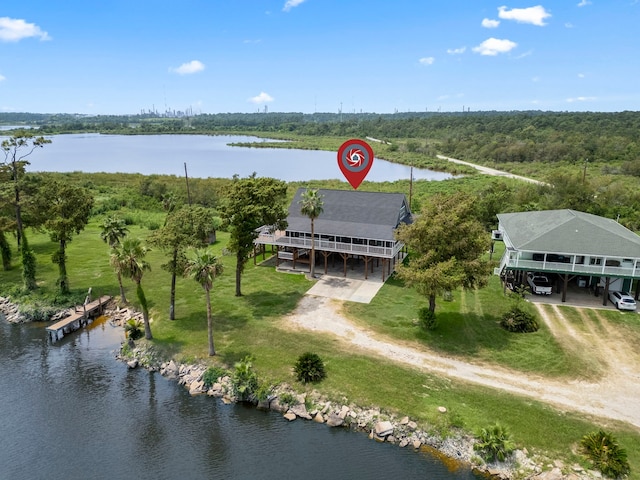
point(353, 226)
point(598, 252)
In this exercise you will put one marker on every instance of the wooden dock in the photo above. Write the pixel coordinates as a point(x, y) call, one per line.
point(83, 315)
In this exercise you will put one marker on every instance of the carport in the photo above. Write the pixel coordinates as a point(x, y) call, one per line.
point(569, 245)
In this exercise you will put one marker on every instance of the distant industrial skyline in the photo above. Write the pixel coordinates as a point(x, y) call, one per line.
point(198, 56)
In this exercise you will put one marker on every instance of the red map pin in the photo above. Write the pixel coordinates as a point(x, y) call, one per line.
point(355, 158)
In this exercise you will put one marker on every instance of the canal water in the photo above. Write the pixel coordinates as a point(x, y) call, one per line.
point(70, 410)
point(205, 156)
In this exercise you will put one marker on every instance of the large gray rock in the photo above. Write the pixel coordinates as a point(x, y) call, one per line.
point(301, 411)
point(382, 429)
point(334, 420)
point(196, 388)
point(344, 411)
point(290, 416)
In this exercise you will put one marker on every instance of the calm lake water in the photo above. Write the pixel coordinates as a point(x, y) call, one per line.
point(205, 156)
point(71, 411)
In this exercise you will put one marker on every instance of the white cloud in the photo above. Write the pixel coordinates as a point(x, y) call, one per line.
point(289, 4)
point(488, 23)
point(581, 75)
point(533, 15)
point(581, 99)
point(14, 30)
point(456, 51)
point(494, 46)
point(427, 60)
point(260, 99)
point(568, 25)
point(535, 79)
point(194, 66)
point(2, 77)
point(584, 3)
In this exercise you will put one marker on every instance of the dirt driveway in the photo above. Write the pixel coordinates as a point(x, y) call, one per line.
point(614, 395)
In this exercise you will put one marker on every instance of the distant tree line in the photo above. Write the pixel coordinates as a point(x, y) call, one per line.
point(485, 137)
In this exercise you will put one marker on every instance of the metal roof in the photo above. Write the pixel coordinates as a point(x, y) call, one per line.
point(347, 213)
point(569, 231)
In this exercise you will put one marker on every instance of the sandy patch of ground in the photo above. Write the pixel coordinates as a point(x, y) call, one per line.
point(614, 395)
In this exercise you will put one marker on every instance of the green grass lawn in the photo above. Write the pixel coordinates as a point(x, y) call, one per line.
point(253, 324)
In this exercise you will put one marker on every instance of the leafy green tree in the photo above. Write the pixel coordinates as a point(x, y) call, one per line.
point(312, 206)
point(65, 210)
point(203, 266)
point(5, 251)
point(16, 149)
point(133, 266)
point(251, 203)
point(187, 226)
point(112, 230)
point(446, 243)
point(28, 265)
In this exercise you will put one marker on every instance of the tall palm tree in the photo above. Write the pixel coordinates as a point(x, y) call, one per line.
point(311, 205)
point(204, 267)
point(113, 229)
point(117, 261)
point(134, 266)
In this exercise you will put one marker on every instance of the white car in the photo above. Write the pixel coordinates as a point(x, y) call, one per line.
point(622, 300)
point(540, 284)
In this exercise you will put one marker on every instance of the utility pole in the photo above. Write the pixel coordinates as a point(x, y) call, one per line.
point(410, 187)
point(584, 172)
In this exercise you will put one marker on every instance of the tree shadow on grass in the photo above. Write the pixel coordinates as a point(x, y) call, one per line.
point(267, 304)
point(231, 357)
point(466, 334)
point(169, 346)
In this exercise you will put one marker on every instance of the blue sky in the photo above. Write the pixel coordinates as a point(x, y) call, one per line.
point(125, 56)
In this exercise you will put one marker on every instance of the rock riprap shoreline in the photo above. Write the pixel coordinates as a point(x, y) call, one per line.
point(455, 449)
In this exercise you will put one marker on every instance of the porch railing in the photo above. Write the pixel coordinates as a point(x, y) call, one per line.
point(331, 246)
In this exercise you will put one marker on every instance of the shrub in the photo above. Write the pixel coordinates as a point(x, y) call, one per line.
point(212, 374)
point(310, 368)
point(603, 450)
point(494, 443)
point(427, 318)
point(518, 320)
point(264, 390)
point(133, 328)
point(244, 380)
point(288, 399)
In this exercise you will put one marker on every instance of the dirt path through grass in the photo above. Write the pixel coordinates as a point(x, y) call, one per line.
point(614, 395)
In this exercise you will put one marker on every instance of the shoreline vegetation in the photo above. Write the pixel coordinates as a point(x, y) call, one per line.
point(252, 324)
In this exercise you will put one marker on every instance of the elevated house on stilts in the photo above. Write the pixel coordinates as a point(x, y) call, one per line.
point(355, 228)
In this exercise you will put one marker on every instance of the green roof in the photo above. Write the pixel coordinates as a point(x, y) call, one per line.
point(569, 231)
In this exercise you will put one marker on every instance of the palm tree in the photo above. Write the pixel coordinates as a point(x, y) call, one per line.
point(113, 229)
point(133, 266)
point(204, 267)
point(117, 261)
point(311, 205)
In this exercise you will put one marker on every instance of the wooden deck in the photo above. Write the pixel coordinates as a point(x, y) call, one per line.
point(83, 315)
